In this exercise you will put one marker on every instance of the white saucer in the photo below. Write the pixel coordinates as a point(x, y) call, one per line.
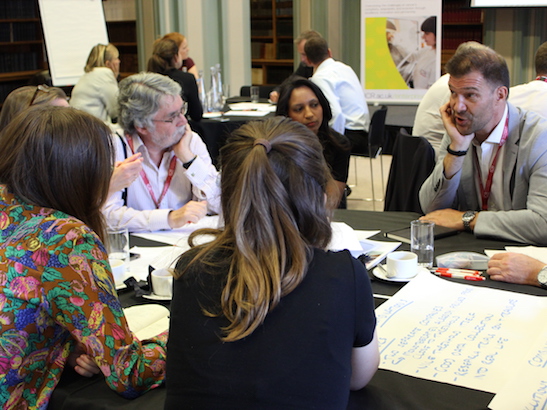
point(153, 296)
point(379, 273)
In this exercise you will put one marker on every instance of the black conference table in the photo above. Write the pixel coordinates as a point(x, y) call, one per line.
point(387, 390)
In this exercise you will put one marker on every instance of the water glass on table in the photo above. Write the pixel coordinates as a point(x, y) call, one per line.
point(255, 93)
point(422, 242)
point(118, 253)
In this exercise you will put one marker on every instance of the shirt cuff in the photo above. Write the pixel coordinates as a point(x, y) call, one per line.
point(159, 220)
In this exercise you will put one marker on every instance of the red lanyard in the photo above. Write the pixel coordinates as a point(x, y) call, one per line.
point(487, 189)
point(541, 78)
point(146, 181)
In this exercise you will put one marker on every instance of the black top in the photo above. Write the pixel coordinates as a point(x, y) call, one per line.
point(336, 156)
point(299, 358)
point(189, 92)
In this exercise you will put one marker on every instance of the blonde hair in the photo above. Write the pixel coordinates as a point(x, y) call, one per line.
point(273, 190)
point(99, 55)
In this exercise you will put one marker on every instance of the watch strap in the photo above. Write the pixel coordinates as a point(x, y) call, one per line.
point(455, 153)
point(467, 218)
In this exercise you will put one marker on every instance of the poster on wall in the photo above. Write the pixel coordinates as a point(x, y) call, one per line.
point(400, 48)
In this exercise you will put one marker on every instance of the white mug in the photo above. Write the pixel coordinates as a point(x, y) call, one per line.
point(119, 270)
point(162, 282)
point(401, 265)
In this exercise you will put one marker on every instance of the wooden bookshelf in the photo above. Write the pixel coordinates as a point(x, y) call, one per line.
point(271, 41)
point(461, 23)
point(21, 44)
point(123, 34)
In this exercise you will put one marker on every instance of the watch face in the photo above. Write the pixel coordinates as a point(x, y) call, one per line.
point(542, 277)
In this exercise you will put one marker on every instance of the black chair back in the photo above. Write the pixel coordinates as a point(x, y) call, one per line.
point(412, 161)
point(377, 132)
point(263, 91)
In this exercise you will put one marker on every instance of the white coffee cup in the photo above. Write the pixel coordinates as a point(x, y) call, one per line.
point(162, 282)
point(401, 265)
point(118, 270)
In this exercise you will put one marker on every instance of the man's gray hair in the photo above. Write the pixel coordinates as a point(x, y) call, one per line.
point(139, 99)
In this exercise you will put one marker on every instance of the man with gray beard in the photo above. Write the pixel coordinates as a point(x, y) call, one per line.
point(178, 183)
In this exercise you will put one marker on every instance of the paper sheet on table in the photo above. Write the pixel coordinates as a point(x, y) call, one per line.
point(247, 106)
point(459, 334)
point(537, 252)
point(179, 237)
point(344, 237)
point(246, 113)
point(147, 321)
point(527, 389)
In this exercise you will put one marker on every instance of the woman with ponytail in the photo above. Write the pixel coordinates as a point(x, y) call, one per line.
point(262, 315)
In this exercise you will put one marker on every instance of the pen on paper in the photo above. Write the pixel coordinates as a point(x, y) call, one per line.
point(457, 275)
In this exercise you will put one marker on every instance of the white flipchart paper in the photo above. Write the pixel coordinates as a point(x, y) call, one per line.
point(465, 335)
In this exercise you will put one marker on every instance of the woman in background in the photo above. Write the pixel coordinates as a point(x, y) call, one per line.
point(263, 316)
point(304, 102)
point(56, 288)
point(167, 60)
point(125, 172)
point(96, 92)
point(188, 64)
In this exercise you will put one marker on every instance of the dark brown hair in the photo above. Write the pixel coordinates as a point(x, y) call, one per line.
point(163, 52)
point(273, 187)
point(316, 49)
point(541, 59)
point(59, 158)
point(473, 56)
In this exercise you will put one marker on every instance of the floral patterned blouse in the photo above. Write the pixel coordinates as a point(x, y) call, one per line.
point(56, 289)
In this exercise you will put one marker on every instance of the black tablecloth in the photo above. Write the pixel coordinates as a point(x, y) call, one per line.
point(387, 389)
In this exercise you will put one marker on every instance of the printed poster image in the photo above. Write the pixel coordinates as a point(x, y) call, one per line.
point(400, 57)
point(412, 46)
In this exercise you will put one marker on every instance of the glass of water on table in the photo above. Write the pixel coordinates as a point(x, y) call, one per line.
point(422, 242)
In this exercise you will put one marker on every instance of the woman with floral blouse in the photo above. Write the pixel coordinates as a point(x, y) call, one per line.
point(57, 294)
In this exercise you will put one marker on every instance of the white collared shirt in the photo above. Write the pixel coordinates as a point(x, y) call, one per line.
point(345, 94)
point(486, 152)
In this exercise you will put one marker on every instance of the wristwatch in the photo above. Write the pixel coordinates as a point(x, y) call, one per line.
point(542, 277)
point(467, 217)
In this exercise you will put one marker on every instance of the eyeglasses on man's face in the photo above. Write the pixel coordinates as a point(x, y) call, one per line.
point(176, 115)
point(44, 88)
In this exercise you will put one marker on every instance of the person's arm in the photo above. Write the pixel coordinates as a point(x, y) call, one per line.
point(125, 172)
point(202, 173)
point(514, 268)
point(194, 70)
point(83, 300)
point(365, 356)
point(364, 363)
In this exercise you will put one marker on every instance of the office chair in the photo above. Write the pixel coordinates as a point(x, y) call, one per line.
point(376, 136)
point(263, 91)
point(412, 161)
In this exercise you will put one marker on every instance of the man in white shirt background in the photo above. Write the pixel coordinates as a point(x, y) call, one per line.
point(344, 92)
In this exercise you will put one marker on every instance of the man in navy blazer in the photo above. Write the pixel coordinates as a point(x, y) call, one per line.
point(491, 176)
